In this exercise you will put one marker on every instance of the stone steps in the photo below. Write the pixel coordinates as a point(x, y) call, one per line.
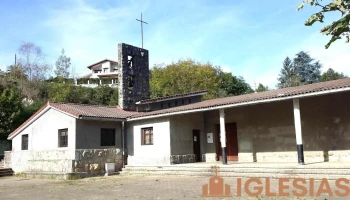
point(6, 172)
point(257, 172)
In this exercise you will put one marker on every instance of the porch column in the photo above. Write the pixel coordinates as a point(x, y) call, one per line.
point(223, 136)
point(297, 124)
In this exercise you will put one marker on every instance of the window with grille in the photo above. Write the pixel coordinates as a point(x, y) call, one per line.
point(63, 138)
point(147, 136)
point(107, 137)
point(25, 142)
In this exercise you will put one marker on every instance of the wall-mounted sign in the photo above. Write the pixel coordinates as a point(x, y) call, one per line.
point(210, 138)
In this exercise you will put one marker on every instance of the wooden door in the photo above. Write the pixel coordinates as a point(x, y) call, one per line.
point(231, 142)
point(196, 145)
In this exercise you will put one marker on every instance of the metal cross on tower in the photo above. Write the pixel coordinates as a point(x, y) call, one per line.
point(142, 28)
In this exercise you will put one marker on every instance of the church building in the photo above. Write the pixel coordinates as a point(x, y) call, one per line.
point(309, 123)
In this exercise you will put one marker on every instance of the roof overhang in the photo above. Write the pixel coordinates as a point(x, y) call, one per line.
point(280, 97)
point(102, 119)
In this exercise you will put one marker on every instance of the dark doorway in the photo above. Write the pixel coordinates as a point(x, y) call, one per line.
point(196, 145)
point(231, 142)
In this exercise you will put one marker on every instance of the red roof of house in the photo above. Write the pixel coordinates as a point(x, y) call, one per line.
point(102, 61)
point(82, 111)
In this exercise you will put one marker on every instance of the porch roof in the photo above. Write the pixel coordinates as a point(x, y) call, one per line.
point(254, 98)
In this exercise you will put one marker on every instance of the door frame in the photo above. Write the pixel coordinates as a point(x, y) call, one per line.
point(218, 142)
point(197, 133)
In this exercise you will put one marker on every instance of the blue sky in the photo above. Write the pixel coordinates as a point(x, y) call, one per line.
point(249, 38)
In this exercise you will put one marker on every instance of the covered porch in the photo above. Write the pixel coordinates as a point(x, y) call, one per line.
point(310, 131)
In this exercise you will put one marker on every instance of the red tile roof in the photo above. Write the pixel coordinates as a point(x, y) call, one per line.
point(202, 92)
point(254, 97)
point(83, 111)
point(86, 110)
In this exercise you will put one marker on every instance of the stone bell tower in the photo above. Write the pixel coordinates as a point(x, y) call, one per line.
point(133, 75)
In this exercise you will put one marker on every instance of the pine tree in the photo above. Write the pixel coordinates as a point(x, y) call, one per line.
point(288, 75)
point(62, 66)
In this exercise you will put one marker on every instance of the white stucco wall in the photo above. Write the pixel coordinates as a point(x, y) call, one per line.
point(43, 153)
point(156, 154)
point(43, 133)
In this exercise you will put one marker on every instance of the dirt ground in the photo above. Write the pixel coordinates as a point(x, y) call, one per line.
point(122, 187)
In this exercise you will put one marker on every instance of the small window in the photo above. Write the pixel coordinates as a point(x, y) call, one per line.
point(63, 138)
point(107, 137)
point(105, 70)
point(147, 136)
point(25, 142)
point(175, 103)
point(183, 102)
point(169, 105)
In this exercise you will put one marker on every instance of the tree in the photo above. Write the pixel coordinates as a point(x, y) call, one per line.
point(62, 65)
point(10, 111)
point(31, 59)
point(330, 74)
point(185, 76)
point(288, 76)
point(336, 29)
point(233, 85)
point(103, 94)
point(299, 72)
point(16, 72)
point(307, 71)
point(262, 88)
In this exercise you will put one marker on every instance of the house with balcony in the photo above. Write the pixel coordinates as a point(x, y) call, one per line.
point(104, 72)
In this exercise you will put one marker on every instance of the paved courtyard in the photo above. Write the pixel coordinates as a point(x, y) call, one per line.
point(121, 187)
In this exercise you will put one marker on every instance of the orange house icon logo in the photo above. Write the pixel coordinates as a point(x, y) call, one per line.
point(216, 187)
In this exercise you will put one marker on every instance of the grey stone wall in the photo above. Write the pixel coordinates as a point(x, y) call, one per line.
point(92, 161)
point(133, 77)
point(179, 159)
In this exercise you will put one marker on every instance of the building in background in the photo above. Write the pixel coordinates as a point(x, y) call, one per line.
point(104, 72)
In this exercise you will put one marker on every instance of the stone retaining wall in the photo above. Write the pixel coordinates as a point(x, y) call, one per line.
point(88, 161)
point(92, 161)
point(178, 159)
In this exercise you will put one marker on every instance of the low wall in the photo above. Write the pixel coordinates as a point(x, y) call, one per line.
point(42, 161)
point(93, 161)
point(292, 156)
point(209, 157)
point(148, 161)
point(88, 161)
point(178, 159)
